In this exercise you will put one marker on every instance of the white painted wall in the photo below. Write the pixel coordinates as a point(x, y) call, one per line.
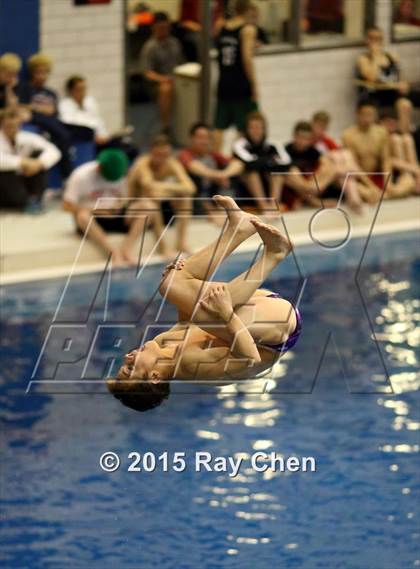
point(295, 85)
point(87, 40)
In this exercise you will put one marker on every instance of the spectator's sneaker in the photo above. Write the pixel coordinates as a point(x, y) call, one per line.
point(52, 194)
point(34, 207)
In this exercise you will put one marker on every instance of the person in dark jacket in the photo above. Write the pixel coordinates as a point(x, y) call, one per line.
point(42, 103)
point(262, 160)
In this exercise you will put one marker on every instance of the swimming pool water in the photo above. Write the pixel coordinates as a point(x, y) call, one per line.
point(358, 511)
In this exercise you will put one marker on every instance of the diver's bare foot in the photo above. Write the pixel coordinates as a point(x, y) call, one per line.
point(274, 240)
point(237, 217)
point(176, 265)
point(355, 205)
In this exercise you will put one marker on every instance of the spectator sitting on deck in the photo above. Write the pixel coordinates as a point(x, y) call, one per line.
point(158, 59)
point(404, 160)
point(80, 109)
point(261, 158)
point(342, 159)
point(42, 103)
point(160, 176)
point(370, 145)
point(380, 80)
point(314, 176)
point(24, 159)
point(81, 114)
point(97, 195)
point(10, 65)
point(211, 172)
point(306, 160)
point(322, 141)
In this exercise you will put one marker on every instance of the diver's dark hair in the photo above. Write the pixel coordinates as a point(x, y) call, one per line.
point(149, 396)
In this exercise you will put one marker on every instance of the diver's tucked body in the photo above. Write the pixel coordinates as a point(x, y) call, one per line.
point(227, 332)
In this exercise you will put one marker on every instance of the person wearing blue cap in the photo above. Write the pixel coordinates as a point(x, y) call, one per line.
point(96, 194)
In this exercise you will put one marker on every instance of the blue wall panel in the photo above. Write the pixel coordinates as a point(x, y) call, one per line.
point(19, 26)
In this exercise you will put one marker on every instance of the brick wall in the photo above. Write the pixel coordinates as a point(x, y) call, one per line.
point(87, 40)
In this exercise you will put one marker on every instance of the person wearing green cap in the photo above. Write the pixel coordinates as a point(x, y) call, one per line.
point(97, 196)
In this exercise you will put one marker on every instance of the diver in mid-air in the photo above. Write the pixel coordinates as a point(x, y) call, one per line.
point(226, 331)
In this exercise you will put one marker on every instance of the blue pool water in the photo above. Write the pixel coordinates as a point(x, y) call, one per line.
point(359, 510)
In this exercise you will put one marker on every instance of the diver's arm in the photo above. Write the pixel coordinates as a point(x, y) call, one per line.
point(213, 363)
point(218, 303)
point(242, 343)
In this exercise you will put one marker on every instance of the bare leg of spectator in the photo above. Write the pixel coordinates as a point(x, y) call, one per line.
point(403, 149)
point(183, 209)
point(369, 193)
point(213, 213)
point(410, 150)
point(165, 101)
point(158, 229)
point(84, 220)
point(326, 174)
point(136, 228)
point(276, 182)
point(305, 188)
point(397, 147)
point(411, 156)
point(404, 109)
point(218, 140)
point(314, 185)
point(256, 190)
point(352, 193)
point(140, 213)
point(404, 186)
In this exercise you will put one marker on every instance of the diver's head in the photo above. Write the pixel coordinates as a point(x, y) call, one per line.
point(139, 383)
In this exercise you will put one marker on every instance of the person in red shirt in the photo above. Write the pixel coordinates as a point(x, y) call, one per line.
point(405, 13)
point(342, 159)
point(211, 172)
point(320, 123)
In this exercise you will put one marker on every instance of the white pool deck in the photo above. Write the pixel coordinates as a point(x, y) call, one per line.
point(34, 247)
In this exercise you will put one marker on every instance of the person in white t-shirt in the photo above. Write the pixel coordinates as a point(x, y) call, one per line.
point(81, 109)
point(96, 195)
point(80, 113)
point(25, 158)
